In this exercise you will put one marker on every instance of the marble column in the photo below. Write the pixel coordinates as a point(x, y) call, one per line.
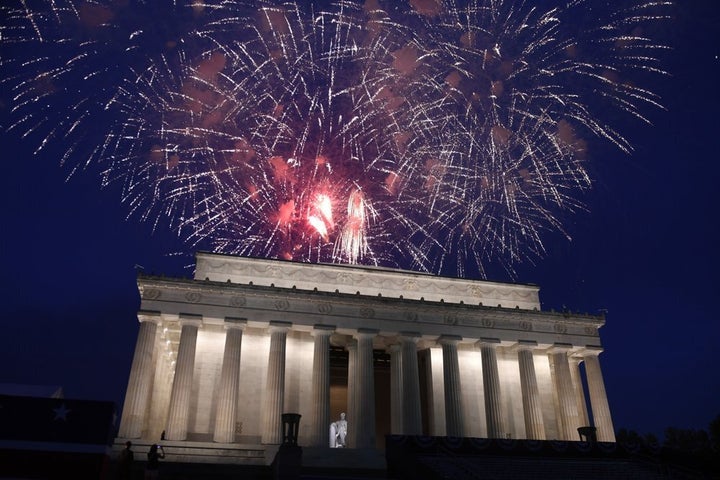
point(491, 384)
point(179, 410)
point(275, 385)
point(532, 408)
point(396, 389)
point(141, 377)
point(576, 378)
point(352, 414)
point(598, 396)
point(454, 416)
point(411, 414)
point(321, 386)
point(567, 404)
point(226, 414)
point(364, 423)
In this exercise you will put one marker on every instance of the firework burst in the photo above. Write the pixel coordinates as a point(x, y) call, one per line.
point(430, 135)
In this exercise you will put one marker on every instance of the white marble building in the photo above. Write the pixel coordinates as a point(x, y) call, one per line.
point(220, 357)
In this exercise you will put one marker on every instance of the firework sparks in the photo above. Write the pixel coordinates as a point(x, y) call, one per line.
point(434, 135)
point(352, 243)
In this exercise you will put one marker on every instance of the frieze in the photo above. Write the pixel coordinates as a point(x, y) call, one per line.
point(525, 325)
point(560, 328)
point(367, 312)
point(450, 319)
point(471, 321)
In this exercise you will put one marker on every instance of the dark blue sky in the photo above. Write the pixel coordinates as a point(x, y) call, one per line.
point(645, 251)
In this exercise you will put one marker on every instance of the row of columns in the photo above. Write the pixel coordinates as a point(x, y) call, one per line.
point(405, 386)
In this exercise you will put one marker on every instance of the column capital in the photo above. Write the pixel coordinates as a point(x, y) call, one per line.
point(591, 350)
point(320, 330)
point(366, 333)
point(560, 348)
point(153, 316)
point(279, 326)
point(525, 345)
point(191, 319)
point(235, 323)
point(489, 342)
point(449, 339)
point(411, 336)
point(575, 359)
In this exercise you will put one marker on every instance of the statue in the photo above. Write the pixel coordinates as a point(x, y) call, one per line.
point(338, 432)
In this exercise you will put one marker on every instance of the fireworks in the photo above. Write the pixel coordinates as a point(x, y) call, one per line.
point(441, 136)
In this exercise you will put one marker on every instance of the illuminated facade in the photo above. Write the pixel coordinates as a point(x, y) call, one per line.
point(220, 357)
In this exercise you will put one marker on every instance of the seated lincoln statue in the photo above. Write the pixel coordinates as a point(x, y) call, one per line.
point(338, 432)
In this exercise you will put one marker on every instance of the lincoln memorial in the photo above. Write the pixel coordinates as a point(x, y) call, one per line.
point(220, 357)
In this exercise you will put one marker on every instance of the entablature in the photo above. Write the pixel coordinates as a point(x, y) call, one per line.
point(349, 312)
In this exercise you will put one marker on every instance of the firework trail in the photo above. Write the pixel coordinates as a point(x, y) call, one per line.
point(442, 136)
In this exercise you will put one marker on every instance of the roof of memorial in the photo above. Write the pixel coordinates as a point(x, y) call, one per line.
point(364, 280)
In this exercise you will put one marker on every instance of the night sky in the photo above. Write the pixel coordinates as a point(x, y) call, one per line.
point(645, 252)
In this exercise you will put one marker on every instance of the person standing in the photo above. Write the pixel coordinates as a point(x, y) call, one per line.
point(152, 469)
point(125, 462)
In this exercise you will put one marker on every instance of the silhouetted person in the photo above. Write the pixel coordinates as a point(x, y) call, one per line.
point(152, 469)
point(125, 462)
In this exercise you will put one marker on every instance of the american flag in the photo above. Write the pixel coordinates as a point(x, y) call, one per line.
point(47, 437)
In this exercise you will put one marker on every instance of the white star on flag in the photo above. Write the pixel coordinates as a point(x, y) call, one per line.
point(61, 412)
